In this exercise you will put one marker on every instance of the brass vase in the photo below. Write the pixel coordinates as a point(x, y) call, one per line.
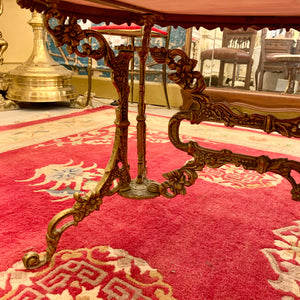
point(40, 78)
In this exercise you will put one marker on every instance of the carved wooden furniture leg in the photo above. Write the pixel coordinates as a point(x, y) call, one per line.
point(203, 109)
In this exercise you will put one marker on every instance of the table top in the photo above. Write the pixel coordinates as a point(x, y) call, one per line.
point(209, 14)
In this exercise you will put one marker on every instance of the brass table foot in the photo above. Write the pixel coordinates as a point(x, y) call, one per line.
point(117, 167)
point(32, 260)
point(148, 189)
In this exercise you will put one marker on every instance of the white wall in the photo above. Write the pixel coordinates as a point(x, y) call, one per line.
point(17, 32)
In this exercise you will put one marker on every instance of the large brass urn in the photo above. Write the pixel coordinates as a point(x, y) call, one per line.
point(40, 78)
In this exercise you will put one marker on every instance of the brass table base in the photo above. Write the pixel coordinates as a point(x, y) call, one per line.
point(148, 189)
point(202, 109)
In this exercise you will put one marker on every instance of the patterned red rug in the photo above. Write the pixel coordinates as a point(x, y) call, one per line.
point(235, 235)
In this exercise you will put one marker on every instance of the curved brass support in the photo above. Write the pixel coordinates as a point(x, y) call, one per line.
point(117, 167)
point(178, 179)
point(83, 207)
point(70, 33)
point(204, 110)
point(33, 260)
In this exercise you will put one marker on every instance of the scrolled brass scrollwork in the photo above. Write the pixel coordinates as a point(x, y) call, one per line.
point(70, 33)
point(183, 66)
point(177, 181)
point(217, 158)
point(203, 109)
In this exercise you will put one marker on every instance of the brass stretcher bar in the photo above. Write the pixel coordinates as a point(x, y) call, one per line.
point(68, 32)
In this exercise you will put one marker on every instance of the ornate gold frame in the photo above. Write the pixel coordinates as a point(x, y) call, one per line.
point(70, 33)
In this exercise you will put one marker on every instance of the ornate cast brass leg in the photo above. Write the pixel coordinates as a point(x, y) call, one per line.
point(142, 187)
point(203, 109)
point(117, 167)
point(187, 175)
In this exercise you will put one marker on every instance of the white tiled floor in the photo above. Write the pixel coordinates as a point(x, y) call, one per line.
point(37, 111)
